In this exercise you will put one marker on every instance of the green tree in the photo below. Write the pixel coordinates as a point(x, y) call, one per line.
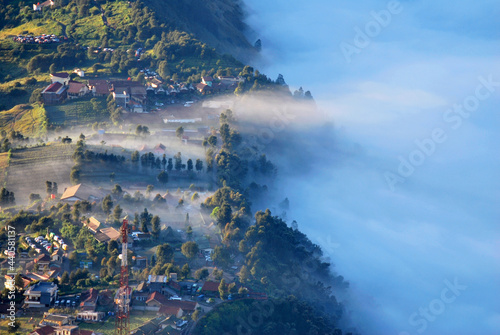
point(155, 230)
point(135, 156)
point(190, 164)
point(185, 271)
point(163, 177)
point(221, 256)
point(164, 254)
point(107, 204)
point(190, 249)
point(222, 289)
point(212, 140)
point(201, 274)
point(117, 213)
point(218, 274)
point(64, 278)
point(145, 219)
point(199, 165)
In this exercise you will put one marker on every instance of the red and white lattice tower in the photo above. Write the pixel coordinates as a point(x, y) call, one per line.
point(123, 295)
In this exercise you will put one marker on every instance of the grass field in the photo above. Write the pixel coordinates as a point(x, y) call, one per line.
point(28, 119)
point(73, 113)
point(30, 168)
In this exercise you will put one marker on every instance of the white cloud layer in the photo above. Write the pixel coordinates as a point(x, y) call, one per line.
point(397, 247)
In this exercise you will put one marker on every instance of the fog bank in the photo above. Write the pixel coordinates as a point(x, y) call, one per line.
point(401, 192)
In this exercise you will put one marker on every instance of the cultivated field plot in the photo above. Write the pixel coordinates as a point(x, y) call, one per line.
point(75, 113)
point(30, 168)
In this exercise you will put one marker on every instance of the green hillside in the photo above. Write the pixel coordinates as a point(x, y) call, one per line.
point(102, 39)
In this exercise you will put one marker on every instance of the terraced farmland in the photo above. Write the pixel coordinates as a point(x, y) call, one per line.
point(30, 168)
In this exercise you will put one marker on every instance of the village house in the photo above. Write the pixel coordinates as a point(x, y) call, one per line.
point(204, 88)
point(98, 87)
point(178, 308)
point(156, 300)
point(56, 320)
point(77, 90)
point(89, 299)
point(92, 224)
point(38, 6)
point(54, 93)
point(73, 330)
point(93, 316)
point(210, 288)
point(42, 294)
point(207, 80)
point(81, 192)
point(45, 330)
point(80, 73)
point(42, 260)
point(62, 78)
point(141, 293)
point(159, 149)
point(107, 234)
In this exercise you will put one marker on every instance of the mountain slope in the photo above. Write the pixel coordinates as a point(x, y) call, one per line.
point(219, 23)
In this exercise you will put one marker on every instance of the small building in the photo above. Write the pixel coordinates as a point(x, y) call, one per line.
point(210, 288)
point(93, 316)
point(45, 330)
point(92, 224)
point(54, 93)
point(99, 88)
point(107, 234)
point(79, 72)
point(60, 77)
point(135, 107)
point(204, 88)
point(88, 301)
point(81, 192)
point(121, 96)
point(175, 306)
point(207, 80)
point(156, 299)
point(9, 281)
point(42, 260)
point(73, 330)
point(38, 6)
point(42, 294)
point(56, 320)
point(77, 90)
point(159, 149)
point(157, 282)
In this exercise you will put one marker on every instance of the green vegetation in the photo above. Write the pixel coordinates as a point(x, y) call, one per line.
point(29, 120)
point(76, 113)
point(273, 316)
